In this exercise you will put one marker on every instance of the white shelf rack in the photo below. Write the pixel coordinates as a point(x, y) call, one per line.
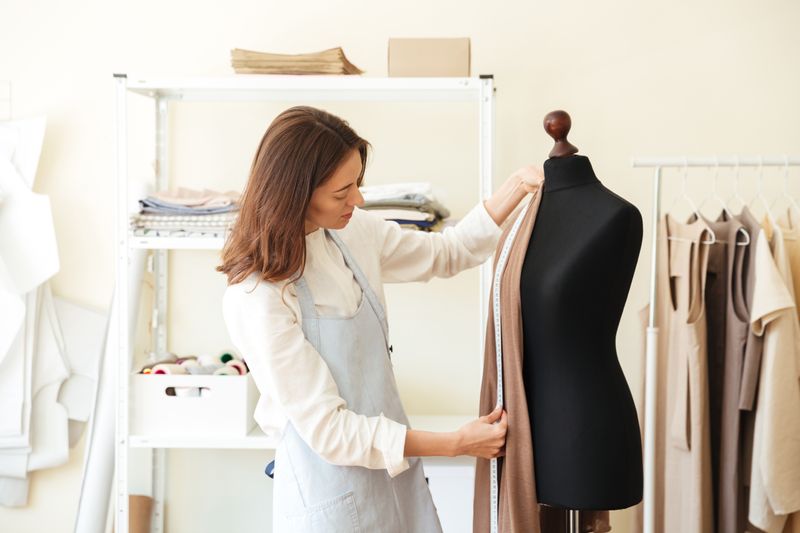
point(245, 88)
point(312, 88)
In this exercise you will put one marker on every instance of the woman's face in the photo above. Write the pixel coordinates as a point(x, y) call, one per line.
point(332, 202)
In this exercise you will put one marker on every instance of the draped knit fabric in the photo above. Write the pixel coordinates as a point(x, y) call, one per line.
point(519, 509)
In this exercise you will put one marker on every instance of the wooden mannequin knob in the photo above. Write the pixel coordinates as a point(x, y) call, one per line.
point(557, 125)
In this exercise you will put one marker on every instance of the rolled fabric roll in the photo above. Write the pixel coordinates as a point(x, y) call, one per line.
point(169, 368)
point(225, 357)
point(189, 362)
point(238, 365)
point(226, 371)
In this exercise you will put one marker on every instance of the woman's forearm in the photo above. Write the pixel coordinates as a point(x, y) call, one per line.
point(483, 437)
point(431, 444)
point(503, 201)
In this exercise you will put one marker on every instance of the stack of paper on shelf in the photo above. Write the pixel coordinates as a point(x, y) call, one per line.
point(332, 61)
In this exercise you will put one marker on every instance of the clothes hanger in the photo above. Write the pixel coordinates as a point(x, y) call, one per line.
point(741, 232)
point(760, 193)
point(714, 194)
point(736, 195)
point(695, 210)
point(786, 194)
point(792, 202)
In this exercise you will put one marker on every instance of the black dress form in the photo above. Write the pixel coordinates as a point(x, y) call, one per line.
point(574, 283)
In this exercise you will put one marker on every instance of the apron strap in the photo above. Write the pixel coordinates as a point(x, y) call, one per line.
point(361, 279)
point(308, 312)
point(305, 299)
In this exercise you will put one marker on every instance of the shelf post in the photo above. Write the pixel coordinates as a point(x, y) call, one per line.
point(122, 341)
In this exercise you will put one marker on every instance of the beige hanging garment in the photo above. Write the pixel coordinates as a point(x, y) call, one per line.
point(683, 496)
point(741, 344)
point(775, 468)
point(687, 459)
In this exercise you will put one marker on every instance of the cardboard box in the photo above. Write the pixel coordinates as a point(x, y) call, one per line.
point(429, 58)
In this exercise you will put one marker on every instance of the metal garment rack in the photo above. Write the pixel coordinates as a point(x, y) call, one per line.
point(651, 368)
point(243, 88)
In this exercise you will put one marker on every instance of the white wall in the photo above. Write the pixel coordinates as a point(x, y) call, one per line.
point(680, 78)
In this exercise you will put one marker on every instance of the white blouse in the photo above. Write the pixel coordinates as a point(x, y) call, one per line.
point(294, 381)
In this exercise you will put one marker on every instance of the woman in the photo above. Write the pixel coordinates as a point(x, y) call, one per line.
point(305, 308)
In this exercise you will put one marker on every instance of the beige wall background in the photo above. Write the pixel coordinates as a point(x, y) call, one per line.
point(679, 78)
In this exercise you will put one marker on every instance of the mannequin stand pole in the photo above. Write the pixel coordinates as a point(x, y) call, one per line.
point(573, 522)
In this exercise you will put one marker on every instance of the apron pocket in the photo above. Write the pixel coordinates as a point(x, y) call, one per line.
point(337, 514)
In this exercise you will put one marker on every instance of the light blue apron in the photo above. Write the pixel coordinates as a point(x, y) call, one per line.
point(312, 495)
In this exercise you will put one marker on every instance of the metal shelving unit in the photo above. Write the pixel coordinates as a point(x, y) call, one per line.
point(252, 88)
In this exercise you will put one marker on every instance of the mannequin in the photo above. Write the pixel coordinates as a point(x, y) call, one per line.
point(575, 279)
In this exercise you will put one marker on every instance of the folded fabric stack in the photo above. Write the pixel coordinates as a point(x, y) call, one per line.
point(186, 212)
point(412, 205)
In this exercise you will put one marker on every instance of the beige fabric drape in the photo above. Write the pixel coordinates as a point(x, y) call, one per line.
point(519, 510)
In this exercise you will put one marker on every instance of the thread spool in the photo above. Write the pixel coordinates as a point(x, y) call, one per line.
point(226, 371)
point(238, 365)
point(168, 368)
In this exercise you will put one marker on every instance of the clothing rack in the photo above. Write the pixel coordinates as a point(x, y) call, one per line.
point(651, 369)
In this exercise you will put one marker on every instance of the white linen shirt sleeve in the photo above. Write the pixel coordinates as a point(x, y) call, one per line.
point(265, 330)
point(420, 256)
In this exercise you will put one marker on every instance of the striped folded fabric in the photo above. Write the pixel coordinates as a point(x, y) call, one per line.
point(220, 222)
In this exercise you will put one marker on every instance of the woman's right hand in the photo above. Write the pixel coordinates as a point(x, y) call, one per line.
point(483, 437)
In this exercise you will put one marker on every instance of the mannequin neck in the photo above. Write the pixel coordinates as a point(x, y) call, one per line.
point(564, 172)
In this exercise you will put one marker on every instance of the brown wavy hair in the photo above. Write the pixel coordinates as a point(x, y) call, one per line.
point(300, 150)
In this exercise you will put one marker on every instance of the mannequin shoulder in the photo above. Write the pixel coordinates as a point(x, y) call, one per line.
point(623, 208)
point(623, 216)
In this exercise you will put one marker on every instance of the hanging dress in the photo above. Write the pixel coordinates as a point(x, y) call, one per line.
point(727, 323)
point(688, 505)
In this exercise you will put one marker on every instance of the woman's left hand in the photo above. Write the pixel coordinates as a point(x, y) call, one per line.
point(530, 177)
point(525, 180)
